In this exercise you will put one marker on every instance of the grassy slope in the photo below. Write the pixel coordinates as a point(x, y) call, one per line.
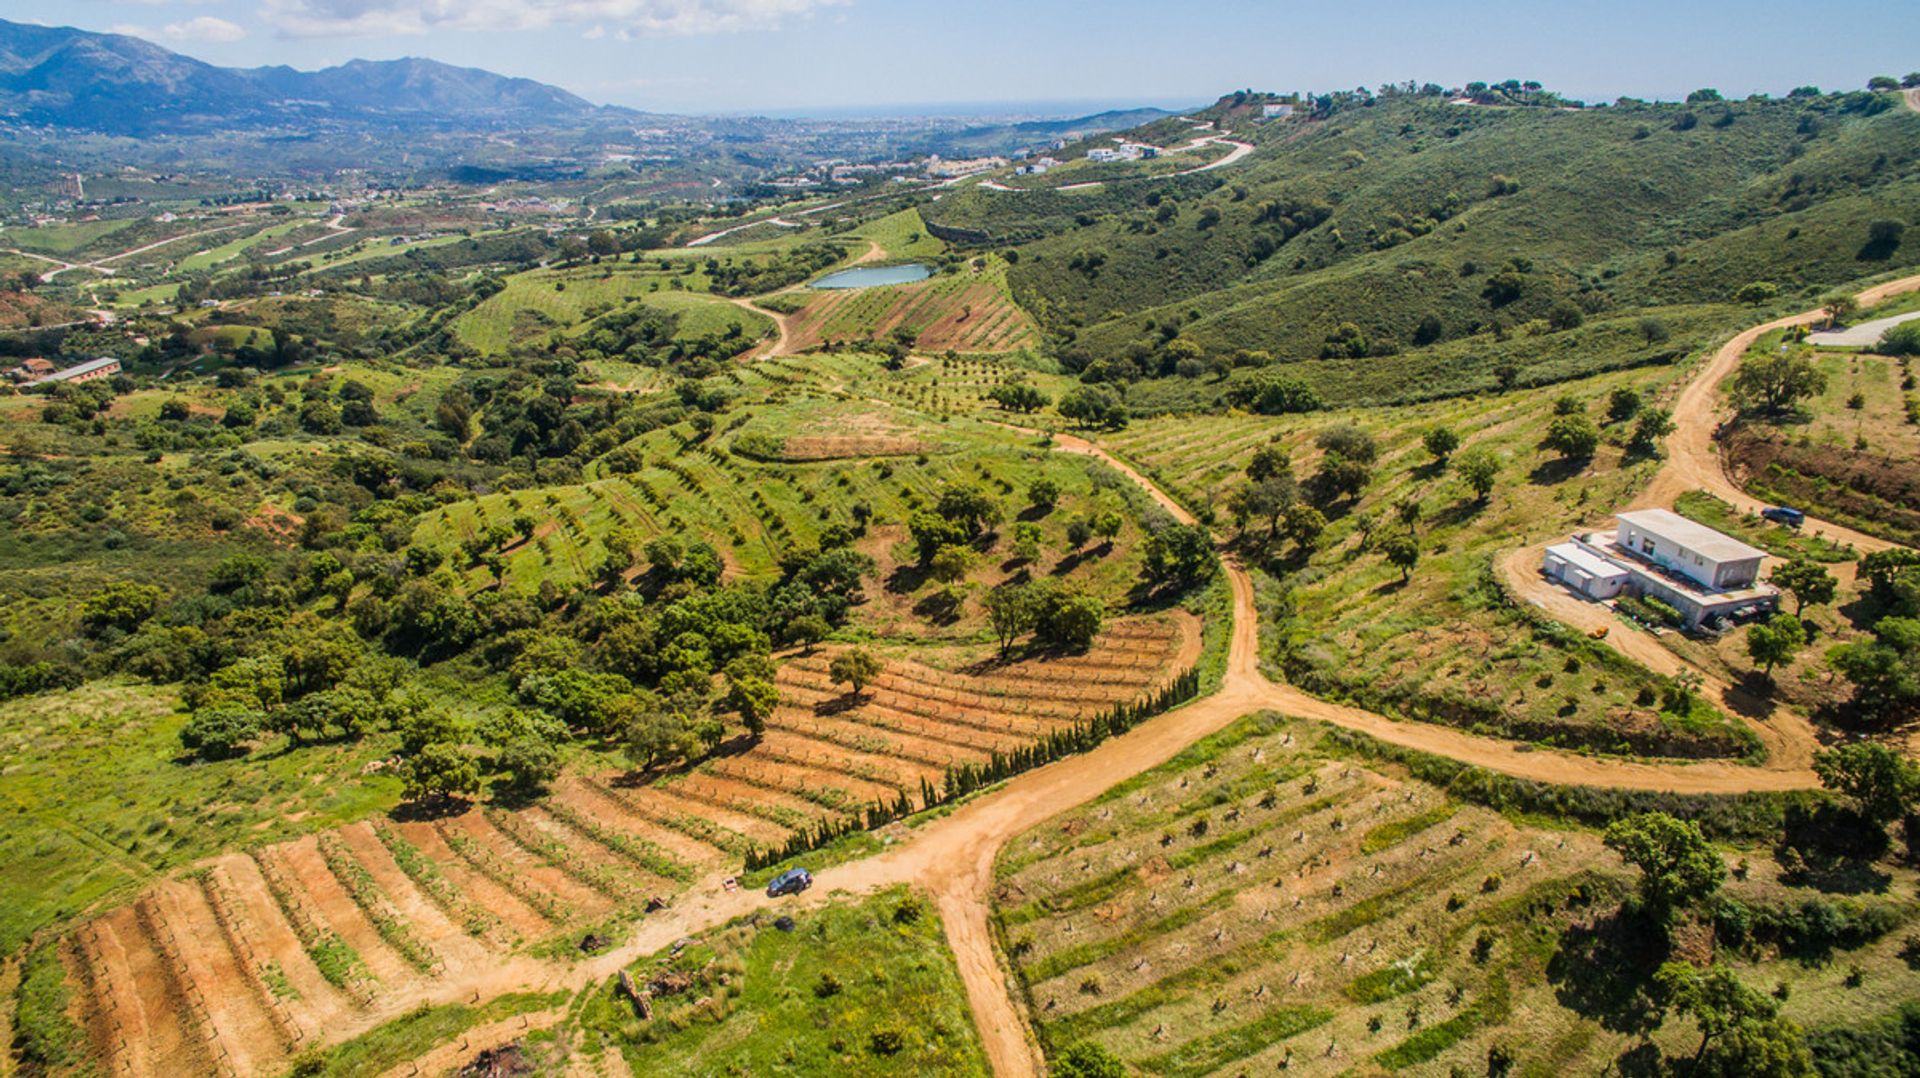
point(894, 975)
point(1324, 904)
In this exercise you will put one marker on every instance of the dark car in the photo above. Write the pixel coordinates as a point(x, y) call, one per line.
point(791, 882)
point(1780, 514)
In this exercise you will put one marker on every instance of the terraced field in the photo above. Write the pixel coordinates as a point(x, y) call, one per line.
point(238, 965)
point(1264, 903)
point(753, 509)
point(969, 311)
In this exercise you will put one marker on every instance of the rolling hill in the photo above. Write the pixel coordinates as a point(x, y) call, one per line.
point(1415, 227)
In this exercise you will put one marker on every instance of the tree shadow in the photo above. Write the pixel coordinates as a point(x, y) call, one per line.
point(1033, 513)
point(1603, 970)
point(1833, 849)
point(908, 578)
point(1458, 513)
point(1071, 562)
point(1878, 250)
point(429, 809)
point(1557, 470)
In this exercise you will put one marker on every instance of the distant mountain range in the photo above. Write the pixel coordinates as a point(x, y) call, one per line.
point(63, 77)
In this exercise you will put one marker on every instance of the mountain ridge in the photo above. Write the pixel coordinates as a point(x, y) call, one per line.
point(123, 85)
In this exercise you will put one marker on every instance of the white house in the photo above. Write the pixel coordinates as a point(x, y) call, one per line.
point(1276, 112)
point(1654, 553)
point(1710, 559)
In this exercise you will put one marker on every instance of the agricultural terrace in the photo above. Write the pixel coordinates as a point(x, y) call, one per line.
point(1266, 901)
point(856, 988)
point(951, 385)
point(286, 945)
point(1445, 644)
point(969, 310)
point(783, 471)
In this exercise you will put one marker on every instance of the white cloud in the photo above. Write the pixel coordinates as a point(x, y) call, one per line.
point(369, 18)
point(204, 28)
point(595, 32)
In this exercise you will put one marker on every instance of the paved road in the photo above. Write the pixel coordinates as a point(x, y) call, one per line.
point(1861, 335)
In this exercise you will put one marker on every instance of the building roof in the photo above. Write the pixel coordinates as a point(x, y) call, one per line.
point(1587, 561)
point(1692, 535)
point(79, 369)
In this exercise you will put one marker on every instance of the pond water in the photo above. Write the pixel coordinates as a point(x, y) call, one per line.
point(875, 276)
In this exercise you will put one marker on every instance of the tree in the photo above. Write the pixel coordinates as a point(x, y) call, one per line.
point(933, 531)
point(1654, 424)
point(950, 563)
point(1026, 541)
point(1774, 641)
point(1741, 1032)
point(1623, 404)
point(1018, 397)
point(1270, 462)
point(1881, 784)
point(1303, 526)
point(1773, 382)
point(1402, 552)
point(438, 771)
point(1043, 494)
point(857, 667)
point(121, 605)
point(215, 733)
point(1806, 581)
point(1065, 617)
point(1480, 467)
point(1440, 443)
point(1179, 554)
point(973, 509)
point(1678, 868)
point(756, 699)
point(1010, 613)
point(808, 630)
point(1885, 678)
point(1091, 406)
point(1837, 306)
point(648, 734)
point(1087, 1059)
point(1574, 437)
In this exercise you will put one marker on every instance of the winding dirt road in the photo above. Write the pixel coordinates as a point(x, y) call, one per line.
point(952, 857)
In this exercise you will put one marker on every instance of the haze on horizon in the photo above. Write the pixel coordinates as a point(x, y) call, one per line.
point(789, 57)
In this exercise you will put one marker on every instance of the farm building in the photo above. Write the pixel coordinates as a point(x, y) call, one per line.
point(32, 370)
point(1276, 112)
point(91, 370)
point(1586, 572)
point(1658, 554)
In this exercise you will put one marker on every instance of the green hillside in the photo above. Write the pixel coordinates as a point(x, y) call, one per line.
point(1428, 225)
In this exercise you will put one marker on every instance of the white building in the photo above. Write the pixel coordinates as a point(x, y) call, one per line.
point(1655, 553)
point(1584, 571)
point(1276, 112)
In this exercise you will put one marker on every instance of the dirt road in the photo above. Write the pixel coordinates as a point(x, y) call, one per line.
point(1693, 459)
point(952, 857)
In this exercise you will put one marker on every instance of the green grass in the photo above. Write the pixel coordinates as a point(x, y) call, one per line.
point(63, 239)
point(416, 1032)
point(902, 235)
point(771, 1016)
point(99, 801)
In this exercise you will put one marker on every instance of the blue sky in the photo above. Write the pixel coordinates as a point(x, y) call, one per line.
point(792, 56)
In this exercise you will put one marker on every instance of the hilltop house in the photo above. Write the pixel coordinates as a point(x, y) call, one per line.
point(1658, 554)
point(1281, 111)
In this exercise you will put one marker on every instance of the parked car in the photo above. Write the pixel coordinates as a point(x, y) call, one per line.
point(791, 882)
point(1780, 514)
